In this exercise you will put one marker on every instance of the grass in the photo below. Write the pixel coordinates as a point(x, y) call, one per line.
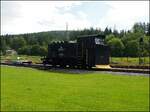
point(128, 61)
point(27, 89)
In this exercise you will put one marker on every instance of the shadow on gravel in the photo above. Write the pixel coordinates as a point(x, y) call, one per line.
point(81, 71)
point(84, 72)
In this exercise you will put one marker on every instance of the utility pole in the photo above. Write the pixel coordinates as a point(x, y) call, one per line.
point(149, 50)
point(114, 28)
point(67, 33)
point(141, 51)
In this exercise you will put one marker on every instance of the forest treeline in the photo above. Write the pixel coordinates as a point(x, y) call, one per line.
point(122, 43)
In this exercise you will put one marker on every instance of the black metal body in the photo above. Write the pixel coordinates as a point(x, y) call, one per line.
point(88, 51)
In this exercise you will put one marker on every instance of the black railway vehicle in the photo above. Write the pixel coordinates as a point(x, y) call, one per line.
point(88, 51)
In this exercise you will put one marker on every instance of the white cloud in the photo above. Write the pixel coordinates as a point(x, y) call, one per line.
point(41, 16)
point(123, 14)
point(35, 16)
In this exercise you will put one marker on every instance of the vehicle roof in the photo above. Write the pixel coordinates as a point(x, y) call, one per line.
point(93, 35)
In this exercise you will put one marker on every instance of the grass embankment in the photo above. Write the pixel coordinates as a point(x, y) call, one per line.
point(30, 89)
point(34, 59)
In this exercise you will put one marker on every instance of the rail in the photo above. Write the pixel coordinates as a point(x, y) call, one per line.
point(130, 70)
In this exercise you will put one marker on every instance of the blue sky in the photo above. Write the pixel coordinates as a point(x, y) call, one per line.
point(94, 10)
point(35, 16)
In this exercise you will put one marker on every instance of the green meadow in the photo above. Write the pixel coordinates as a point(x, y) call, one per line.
point(129, 60)
point(27, 89)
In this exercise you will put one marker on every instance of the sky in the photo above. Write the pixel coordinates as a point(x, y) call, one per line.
point(36, 16)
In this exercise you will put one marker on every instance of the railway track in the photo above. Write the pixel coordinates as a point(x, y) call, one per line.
point(123, 69)
point(130, 70)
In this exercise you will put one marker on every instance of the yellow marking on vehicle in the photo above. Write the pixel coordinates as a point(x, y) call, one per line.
point(102, 66)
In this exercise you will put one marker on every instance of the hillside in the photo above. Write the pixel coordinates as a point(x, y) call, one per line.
point(122, 43)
